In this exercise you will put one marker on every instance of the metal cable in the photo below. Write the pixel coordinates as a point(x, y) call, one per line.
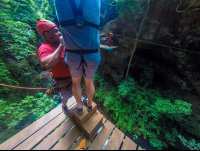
point(158, 44)
point(1, 32)
point(184, 9)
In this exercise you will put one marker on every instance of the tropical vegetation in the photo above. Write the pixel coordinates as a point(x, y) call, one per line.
point(154, 114)
point(19, 64)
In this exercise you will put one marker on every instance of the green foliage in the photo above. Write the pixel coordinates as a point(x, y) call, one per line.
point(18, 44)
point(19, 65)
point(126, 6)
point(12, 114)
point(145, 112)
point(192, 145)
point(147, 76)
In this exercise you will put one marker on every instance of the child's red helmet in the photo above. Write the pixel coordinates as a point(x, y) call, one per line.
point(44, 25)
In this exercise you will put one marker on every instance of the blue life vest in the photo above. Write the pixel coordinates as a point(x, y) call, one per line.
point(78, 13)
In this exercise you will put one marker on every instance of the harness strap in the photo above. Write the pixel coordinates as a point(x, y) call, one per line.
point(77, 12)
point(81, 52)
point(72, 23)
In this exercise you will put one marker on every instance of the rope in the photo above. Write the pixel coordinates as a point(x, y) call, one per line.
point(158, 44)
point(185, 9)
point(16, 28)
point(4, 31)
point(4, 85)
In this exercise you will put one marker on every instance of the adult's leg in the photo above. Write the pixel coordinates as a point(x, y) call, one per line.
point(65, 93)
point(76, 90)
point(89, 89)
point(64, 99)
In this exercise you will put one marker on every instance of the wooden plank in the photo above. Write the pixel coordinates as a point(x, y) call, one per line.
point(39, 135)
point(82, 118)
point(31, 129)
point(91, 126)
point(105, 46)
point(68, 139)
point(140, 148)
point(104, 120)
point(102, 137)
point(115, 140)
point(25, 133)
point(47, 143)
point(88, 141)
point(128, 144)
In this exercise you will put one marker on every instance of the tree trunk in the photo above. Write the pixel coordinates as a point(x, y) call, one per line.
point(137, 36)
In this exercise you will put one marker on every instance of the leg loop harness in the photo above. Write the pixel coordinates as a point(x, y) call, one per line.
point(81, 52)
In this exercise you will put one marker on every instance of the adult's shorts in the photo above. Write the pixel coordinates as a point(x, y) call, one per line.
point(73, 61)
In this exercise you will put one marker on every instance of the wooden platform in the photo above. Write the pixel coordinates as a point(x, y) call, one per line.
point(105, 47)
point(56, 131)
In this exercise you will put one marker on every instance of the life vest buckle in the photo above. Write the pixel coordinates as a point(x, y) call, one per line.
point(79, 23)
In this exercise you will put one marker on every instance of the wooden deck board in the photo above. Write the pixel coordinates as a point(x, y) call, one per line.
point(68, 139)
point(33, 137)
point(115, 140)
point(34, 127)
point(42, 133)
point(140, 148)
point(25, 133)
point(102, 137)
point(48, 142)
point(128, 144)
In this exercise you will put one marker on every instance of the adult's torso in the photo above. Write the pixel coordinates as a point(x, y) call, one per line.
point(61, 69)
point(86, 38)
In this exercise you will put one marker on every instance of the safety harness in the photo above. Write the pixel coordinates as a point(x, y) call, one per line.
point(81, 52)
point(79, 23)
point(78, 13)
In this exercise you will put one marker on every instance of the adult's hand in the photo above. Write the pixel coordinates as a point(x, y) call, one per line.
point(51, 60)
point(61, 41)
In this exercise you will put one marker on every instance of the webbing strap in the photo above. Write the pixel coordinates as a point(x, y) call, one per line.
point(72, 22)
point(77, 12)
point(81, 52)
point(74, 7)
point(81, 5)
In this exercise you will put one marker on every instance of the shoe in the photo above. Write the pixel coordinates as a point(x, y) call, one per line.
point(80, 110)
point(89, 107)
point(65, 110)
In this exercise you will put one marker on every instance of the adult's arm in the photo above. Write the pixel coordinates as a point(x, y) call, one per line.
point(51, 60)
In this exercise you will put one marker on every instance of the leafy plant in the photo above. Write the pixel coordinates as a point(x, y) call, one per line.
point(145, 112)
point(19, 66)
point(192, 145)
point(11, 114)
point(147, 76)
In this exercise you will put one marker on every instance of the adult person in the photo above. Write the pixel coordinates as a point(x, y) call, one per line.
point(51, 54)
point(79, 20)
point(110, 40)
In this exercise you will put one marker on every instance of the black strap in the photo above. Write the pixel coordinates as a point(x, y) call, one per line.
point(91, 24)
point(74, 7)
point(72, 22)
point(59, 78)
point(81, 52)
point(81, 5)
